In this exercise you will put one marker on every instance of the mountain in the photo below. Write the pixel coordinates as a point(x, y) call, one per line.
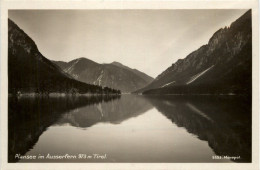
point(222, 66)
point(114, 75)
point(144, 76)
point(29, 71)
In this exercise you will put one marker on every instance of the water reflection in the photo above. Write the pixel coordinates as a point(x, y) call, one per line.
point(132, 128)
point(29, 117)
point(113, 112)
point(224, 122)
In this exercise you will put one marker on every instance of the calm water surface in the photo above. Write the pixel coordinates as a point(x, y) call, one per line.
point(130, 128)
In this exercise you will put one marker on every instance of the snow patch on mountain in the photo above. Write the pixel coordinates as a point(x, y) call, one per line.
point(98, 81)
point(168, 84)
point(193, 78)
point(68, 70)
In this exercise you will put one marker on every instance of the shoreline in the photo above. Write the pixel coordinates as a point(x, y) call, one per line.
point(59, 95)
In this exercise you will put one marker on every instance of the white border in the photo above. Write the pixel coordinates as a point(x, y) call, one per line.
point(184, 4)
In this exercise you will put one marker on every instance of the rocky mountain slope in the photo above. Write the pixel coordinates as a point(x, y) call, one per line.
point(224, 65)
point(114, 75)
point(144, 76)
point(29, 71)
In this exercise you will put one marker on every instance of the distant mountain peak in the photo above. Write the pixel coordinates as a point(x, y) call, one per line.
point(119, 64)
point(115, 62)
point(114, 75)
point(82, 59)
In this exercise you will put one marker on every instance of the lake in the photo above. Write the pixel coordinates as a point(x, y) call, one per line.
point(130, 128)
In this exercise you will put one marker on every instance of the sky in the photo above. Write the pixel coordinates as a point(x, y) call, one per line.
point(147, 40)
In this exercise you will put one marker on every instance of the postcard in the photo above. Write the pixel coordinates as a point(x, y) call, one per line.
point(129, 85)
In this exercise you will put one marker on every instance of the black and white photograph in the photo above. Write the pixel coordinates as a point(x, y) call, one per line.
point(130, 86)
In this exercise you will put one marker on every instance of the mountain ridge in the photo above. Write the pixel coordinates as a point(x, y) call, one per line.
point(30, 72)
point(229, 50)
point(114, 75)
point(139, 73)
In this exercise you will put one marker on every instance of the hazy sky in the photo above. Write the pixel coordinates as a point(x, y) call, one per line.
point(148, 40)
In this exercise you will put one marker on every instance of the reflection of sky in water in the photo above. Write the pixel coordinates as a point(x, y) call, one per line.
point(150, 137)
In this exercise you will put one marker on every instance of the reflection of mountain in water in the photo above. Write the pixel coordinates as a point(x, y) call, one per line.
point(29, 117)
point(114, 112)
point(224, 122)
